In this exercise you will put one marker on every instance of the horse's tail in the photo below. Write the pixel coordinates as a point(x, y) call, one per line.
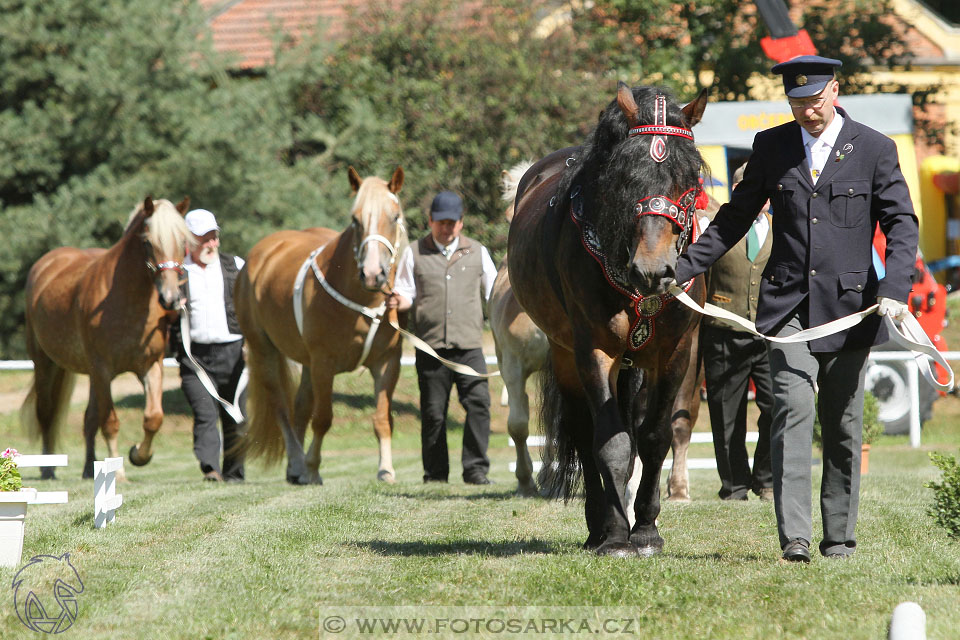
point(45, 408)
point(510, 181)
point(270, 395)
point(561, 474)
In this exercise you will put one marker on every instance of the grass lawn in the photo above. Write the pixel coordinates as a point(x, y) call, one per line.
point(187, 559)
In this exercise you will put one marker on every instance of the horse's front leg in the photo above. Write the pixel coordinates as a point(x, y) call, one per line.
point(612, 449)
point(385, 376)
point(654, 437)
point(99, 416)
point(152, 414)
point(518, 420)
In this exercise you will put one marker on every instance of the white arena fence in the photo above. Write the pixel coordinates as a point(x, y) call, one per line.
point(913, 377)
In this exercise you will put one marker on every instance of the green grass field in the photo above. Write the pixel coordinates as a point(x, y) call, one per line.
point(186, 559)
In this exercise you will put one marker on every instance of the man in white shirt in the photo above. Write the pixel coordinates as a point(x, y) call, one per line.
point(827, 198)
point(446, 278)
point(216, 345)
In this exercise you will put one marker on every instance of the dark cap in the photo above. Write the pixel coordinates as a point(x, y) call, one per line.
point(446, 206)
point(806, 76)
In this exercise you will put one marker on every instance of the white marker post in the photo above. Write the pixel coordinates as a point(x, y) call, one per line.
point(105, 498)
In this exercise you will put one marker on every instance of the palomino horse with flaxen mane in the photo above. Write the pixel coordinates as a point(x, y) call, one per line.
point(102, 312)
point(522, 348)
point(592, 251)
point(317, 297)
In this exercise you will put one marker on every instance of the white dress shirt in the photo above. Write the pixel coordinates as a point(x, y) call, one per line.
point(406, 286)
point(818, 149)
point(208, 316)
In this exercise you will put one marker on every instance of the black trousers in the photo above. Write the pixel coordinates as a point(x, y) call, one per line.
point(224, 364)
point(730, 359)
point(435, 381)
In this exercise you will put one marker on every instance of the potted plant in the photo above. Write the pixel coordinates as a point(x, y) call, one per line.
point(13, 509)
point(872, 429)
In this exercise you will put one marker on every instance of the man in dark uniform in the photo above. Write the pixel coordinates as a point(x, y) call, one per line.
point(216, 345)
point(732, 357)
point(830, 181)
point(447, 277)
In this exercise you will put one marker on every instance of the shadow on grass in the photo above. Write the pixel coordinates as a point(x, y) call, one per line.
point(508, 493)
point(466, 547)
point(174, 402)
point(364, 401)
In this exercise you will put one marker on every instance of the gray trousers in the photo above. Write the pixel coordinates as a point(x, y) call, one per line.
point(839, 379)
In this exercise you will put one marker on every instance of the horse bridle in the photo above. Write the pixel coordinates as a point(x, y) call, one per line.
point(393, 246)
point(679, 211)
point(156, 268)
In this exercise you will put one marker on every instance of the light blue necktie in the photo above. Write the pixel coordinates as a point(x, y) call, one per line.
point(753, 243)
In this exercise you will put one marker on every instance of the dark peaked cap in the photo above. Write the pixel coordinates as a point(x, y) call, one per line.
point(806, 76)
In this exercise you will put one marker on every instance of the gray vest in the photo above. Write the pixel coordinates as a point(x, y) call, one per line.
point(448, 309)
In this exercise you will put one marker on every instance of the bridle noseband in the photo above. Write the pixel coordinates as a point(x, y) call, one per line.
point(678, 211)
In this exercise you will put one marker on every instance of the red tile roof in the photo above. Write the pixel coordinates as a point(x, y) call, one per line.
point(246, 27)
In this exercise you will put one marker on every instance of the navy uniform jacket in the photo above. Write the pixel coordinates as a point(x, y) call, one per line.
point(823, 233)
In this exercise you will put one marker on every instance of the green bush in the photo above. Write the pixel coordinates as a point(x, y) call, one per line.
point(946, 494)
point(872, 427)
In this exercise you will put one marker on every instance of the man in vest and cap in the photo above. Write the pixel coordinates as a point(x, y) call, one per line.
point(732, 357)
point(446, 278)
point(830, 181)
point(216, 345)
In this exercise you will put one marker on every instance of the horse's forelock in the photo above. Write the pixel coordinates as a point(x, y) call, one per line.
point(374, 200)
point(166, 229)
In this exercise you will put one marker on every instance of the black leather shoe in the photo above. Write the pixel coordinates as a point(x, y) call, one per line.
point(478, 480)
point(838, 556)
point(797, 550)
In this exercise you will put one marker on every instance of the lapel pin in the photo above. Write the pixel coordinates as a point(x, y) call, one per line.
point(847, 148)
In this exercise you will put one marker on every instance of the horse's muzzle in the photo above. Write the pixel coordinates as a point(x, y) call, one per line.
point(652, 281)
point(373, 282)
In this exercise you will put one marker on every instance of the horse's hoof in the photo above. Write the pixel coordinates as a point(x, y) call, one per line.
point(386, 476)
point(649, 551)
point(136, 460)
point(298, 480)
point(46, 473)
point(593, 541)
point(88, 471)
point(678, 498)
point(527, 490)
point(617, 550)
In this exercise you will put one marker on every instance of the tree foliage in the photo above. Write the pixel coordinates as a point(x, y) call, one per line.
point(102, 103)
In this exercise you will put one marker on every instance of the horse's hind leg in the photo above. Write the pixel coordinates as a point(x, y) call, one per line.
point(518, 422)
point(152, 415)
point(385, 378)
point(686, 410)
point(322, 377)
point(294, 435)
point(47, 403)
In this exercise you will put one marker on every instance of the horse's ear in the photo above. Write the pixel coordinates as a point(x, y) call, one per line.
point(627, 104)
point(148, 206)
point(396, 181)
point(184, 205)
point(354, 179)
point(693, 112)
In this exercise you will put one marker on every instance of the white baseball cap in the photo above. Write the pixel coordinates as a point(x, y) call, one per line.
point(200, 222)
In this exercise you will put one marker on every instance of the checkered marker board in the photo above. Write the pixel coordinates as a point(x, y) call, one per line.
point(106, 500)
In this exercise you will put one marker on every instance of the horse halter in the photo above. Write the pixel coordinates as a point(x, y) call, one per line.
point(679, 211)
point(159, 267)
point(376, 237)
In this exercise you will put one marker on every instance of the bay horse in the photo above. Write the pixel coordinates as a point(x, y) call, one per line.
point(591, 252)
point(103, 312)
point(333, 334)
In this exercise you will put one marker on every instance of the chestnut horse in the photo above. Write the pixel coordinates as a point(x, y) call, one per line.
point(338, 328)
point(522, 348)
point(102, 312)
point(592, 251)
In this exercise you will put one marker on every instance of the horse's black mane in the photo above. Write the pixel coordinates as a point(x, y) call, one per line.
point(615, 170)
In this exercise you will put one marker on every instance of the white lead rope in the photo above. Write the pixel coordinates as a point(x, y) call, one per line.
point(232, 408)
point(375, 316)
point(908, 334)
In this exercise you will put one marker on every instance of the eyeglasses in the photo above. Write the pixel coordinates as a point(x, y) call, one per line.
point(807, 104)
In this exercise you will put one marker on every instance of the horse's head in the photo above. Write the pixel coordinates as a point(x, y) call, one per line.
point(646, 170)
point(165, 241)
point(379, 230)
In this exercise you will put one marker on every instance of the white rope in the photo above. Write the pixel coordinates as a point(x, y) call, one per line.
point(908, 334)
point(232, 408)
